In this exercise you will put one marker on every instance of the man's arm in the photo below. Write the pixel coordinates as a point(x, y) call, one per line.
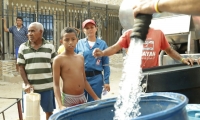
point(180, 6)
point(108, 51)
point(172, 6)
point(112, 50)
point(56, 82)
point(175, 55)
point(4, 25)
point(25, 78)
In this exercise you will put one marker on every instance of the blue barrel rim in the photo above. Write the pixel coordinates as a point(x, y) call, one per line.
point(81, 107)
point(183, 100)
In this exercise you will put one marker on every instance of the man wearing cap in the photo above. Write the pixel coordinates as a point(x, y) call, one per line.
point(154, 43)
point(94, 66)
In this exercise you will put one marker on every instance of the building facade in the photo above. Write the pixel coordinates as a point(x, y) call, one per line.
point(57, 14)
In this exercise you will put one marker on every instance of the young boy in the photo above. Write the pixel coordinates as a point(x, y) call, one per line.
point(70, 66)
point(61, 47)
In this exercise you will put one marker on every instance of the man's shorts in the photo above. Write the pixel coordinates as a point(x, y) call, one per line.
point(47, 101)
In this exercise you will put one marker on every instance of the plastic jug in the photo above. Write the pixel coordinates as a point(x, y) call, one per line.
point(32, 106)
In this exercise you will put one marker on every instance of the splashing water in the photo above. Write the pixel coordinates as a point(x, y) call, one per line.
point(127, 104)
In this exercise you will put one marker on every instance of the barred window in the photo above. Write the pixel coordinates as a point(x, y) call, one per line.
point(46, 20)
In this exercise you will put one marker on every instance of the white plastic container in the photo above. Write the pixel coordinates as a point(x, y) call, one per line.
point(32, 106)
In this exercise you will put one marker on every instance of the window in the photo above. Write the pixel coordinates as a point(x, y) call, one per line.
point(46, 20)
point(27, 18)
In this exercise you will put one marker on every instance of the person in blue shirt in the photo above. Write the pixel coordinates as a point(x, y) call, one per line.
point(94, 66)
point(20, 34)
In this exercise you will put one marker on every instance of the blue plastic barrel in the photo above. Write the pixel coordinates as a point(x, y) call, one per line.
point(154, 106)
point(194, 114)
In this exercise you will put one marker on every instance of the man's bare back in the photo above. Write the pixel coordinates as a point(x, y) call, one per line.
point(72, 73)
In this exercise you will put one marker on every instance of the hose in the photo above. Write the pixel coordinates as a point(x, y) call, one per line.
point(141, 26)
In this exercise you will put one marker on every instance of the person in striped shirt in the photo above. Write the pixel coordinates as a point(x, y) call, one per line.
point(35, 58)
point(70, 67)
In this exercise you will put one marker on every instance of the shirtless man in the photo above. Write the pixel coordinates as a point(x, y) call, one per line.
point(70, 67)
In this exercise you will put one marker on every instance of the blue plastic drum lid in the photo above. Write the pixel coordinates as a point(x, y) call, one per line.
point(154, 106)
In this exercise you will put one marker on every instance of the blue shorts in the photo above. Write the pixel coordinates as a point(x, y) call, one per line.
point(47, 101)
point(16, 52)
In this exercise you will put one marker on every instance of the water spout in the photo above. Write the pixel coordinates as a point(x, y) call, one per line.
point(141, 26)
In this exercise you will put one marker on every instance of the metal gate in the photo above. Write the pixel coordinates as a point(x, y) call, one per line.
point(55, 16)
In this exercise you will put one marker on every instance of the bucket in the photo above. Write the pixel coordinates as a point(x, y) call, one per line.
point(32, 106)
point(154, 106)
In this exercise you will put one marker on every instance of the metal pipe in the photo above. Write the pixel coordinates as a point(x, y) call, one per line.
point(18, 99)
point(189, 42)
point(2, 30)
point(106, 23)
point(160, 60)
point(88, 7)
point(8, 37)
point(3, 115)
point(37, 3)
point(52, 26)
point(198, 46)
point(49, 31)
point(57, 25)
point(65, 12)
point(44, 20)
point(19, 109)
point(13, 24)
point(73, 12)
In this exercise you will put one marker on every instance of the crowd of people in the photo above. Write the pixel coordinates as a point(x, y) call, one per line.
point(83, 65)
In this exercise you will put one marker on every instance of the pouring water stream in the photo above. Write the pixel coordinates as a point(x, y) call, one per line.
point(127, 103)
